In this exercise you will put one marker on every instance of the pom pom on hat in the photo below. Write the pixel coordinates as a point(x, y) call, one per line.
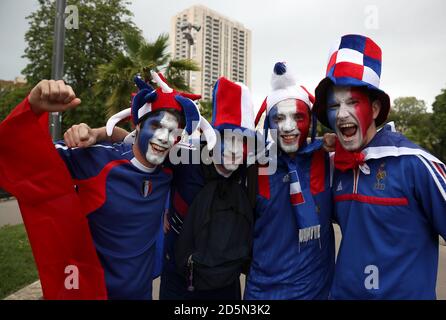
point(284, 85)
point(282, 77)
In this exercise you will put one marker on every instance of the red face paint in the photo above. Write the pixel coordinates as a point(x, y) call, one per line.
point(363, 109)
point(302, 120)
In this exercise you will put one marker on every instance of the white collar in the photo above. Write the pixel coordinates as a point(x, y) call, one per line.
point(142, 167)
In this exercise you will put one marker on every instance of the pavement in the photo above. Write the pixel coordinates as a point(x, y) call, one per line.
point(10, 214)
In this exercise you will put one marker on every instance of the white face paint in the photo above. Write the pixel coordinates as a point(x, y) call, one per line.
point(350, 114)
point(286, 117)
point(157, 136)
point(232, 151)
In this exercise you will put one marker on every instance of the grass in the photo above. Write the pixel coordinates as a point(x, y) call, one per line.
point(17, 267)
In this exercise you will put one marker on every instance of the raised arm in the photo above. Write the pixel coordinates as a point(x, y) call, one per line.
point(52, 96)
point(82, 136)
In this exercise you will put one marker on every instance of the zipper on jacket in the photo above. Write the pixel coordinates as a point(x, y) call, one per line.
point(190, 264)
point(355, 180)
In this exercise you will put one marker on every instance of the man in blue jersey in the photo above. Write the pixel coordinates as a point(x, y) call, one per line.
point(123, 187)
point(293, 253)
point(389, 194)
point(233, 117)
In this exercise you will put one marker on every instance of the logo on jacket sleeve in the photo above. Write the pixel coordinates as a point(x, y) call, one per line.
point(380, 176)
point(339, 188)
point(146, 188)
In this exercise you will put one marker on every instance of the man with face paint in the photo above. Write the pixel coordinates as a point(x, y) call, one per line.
point(390, 195)
point(293, 252)
point(233, 118)
point(122, 187)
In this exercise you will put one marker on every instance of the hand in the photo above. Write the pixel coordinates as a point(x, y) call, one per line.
point(80, 135)
point(329, 142)
point(52, 96)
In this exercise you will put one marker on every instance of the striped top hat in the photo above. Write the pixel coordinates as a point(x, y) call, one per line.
point(354, 61)
point(232, 107)
point(149, 99)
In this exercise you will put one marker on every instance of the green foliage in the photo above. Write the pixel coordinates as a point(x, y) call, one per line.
point(99, 39)
point(115, 79)
point(439, 125)
point(206, 110)
point(405, 112)
point(10, 96)
point(412, 119)
point(17, 267)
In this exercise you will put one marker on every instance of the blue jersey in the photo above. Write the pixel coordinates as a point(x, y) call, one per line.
point(283, 268)
point(390, 219)
point(124, 202)
point(188, 181)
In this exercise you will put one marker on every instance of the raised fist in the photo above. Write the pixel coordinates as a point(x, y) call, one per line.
point(52, 96)
point(80, 135)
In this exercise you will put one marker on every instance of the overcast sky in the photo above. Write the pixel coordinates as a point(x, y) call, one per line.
point(412, 35)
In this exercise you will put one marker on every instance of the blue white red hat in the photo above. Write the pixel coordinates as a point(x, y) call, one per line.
point(354, 61)
point(149, 99)
point(285, 86)
point(232, 107)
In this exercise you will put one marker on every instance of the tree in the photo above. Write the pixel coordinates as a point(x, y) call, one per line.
point(405, 111)
point(206, 110)
point(11, 95)
point(115, 79)
point(98, 40)
point(412, 119)
point(439, 125)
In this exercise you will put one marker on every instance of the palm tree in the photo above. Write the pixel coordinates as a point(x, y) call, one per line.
point(115, 79)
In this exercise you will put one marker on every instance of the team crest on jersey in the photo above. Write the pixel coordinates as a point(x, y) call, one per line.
point(380, 176)
point(286, 178)
point(146, 188)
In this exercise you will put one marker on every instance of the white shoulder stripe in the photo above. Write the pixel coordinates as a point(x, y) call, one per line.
point(60, 146)
point(438, 169)
point(391, 151)
point(437, 182)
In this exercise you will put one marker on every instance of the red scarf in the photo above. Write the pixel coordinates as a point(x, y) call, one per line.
point(345, 160)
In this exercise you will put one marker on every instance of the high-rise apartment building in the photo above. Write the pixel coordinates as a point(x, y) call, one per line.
point(221, 47)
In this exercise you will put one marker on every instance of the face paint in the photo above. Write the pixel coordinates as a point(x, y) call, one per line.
point(292, 121)
point(157, 135)
point(232, 150)
point(350, 114)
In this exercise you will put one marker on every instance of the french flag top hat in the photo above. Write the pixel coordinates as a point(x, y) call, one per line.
point(285, 86)
point(149, 99)
point(354, 61)
point(232, 107)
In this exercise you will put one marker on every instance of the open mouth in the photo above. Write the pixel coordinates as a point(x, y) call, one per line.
point(157, 149)
point(289, 138)
point(348, 130)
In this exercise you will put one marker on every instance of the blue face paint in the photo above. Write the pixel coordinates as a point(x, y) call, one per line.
point(147, 130)
point(271, 117)
point(333, 111)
